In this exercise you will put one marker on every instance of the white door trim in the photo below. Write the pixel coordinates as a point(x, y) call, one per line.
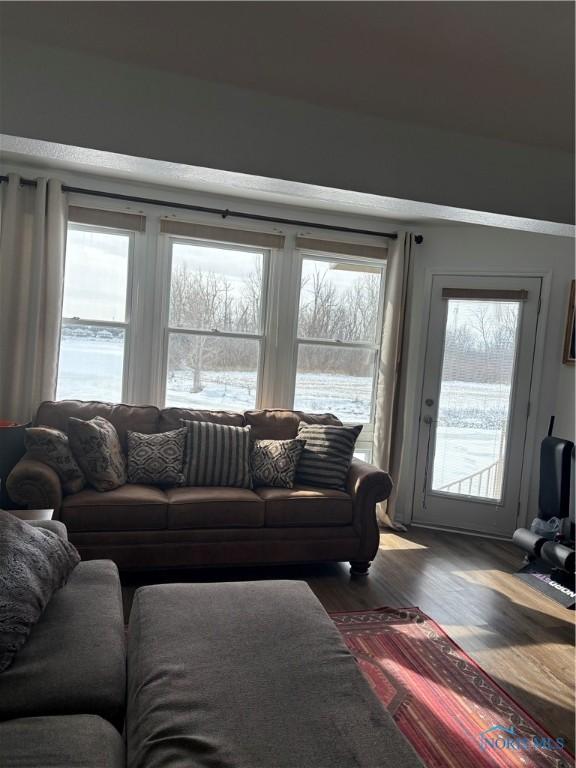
point(534, 423)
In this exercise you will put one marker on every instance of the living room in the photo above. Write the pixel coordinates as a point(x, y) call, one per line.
point(287, 391)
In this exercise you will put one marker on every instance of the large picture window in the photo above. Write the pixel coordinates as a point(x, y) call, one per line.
point(216, 325)
point(95, 314)
point(193, 315)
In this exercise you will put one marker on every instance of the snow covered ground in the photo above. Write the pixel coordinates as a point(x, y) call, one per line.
point(470, 420)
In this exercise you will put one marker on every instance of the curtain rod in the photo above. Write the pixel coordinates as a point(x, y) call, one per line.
point(223, 212)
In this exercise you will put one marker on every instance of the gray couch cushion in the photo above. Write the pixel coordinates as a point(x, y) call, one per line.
point(74, 741)
point(74, 660)
point(252, 675)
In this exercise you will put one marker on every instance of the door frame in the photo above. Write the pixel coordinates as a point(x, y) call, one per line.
point(532, 424)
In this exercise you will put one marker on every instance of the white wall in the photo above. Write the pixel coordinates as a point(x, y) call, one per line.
point(86, 101)
point(470, 248)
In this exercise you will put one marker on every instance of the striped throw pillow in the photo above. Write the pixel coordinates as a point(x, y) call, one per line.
point(326, 457)
point(217, 455)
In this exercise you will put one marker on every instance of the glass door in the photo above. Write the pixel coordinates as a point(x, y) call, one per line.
point(475, 402)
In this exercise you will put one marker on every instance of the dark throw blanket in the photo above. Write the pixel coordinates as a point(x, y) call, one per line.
point(34, 563)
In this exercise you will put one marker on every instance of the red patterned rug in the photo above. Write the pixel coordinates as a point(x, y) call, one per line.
point(453, 713)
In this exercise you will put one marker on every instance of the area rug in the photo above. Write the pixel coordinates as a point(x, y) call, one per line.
point(453, 713)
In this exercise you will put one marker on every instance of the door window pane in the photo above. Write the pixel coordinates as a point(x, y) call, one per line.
point(215, 288)
point(212, 372)
point(339, 301)
point(96, 276)
point(475, 396)
point(335, 379)
point(91, 363)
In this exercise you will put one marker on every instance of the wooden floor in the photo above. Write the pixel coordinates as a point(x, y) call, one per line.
point(525, 641)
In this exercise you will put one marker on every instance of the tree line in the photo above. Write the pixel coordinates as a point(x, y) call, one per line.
point(204, 300)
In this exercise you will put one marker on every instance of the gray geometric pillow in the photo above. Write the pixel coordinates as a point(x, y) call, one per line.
point(97, 450)
point(273, 462)
point(156, 459)
point(51, 447)
point(327, 454)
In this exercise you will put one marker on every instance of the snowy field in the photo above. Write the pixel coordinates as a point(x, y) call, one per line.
point(91, 369)
point(470, 420)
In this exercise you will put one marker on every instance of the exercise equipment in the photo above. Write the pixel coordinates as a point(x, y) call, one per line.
point(551, 540)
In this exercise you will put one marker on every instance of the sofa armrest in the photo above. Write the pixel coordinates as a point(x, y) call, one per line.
point(51, 525)
point(367, 485)
point(365, 480)
point(35, 485)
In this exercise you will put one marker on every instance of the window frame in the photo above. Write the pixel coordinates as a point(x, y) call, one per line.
point(148, 302)
point(126, 324)
point(366, 438)
point(166, 255)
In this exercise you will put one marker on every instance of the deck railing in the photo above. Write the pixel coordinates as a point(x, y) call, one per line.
point(484, 483)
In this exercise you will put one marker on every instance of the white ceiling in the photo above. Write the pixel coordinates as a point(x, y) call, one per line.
point(497, 69)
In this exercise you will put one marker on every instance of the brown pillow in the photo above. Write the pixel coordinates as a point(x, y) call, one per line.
point(51, 447)
point(97, 450)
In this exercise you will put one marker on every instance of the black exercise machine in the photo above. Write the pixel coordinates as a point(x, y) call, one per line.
point(556, 548)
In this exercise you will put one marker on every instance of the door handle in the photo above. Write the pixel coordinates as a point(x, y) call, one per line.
point(429, 402)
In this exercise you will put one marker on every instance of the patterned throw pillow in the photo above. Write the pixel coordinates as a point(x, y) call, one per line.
point(97, 450)
point(273, 462)
point(217, 455)
point(327, 454)
point(156, 459)
point(51, 447)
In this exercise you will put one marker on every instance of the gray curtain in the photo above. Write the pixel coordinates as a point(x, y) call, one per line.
point(32, 246)
point(389, 406)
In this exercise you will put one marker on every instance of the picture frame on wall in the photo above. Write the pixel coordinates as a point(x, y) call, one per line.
point(569, 356)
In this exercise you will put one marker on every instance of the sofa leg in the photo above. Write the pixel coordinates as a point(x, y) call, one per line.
point(359, 567)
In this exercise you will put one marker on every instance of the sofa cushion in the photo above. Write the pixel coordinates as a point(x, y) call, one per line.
point(81, 741)
point(214, 508)
point(96, 448)
point(172, 418)
point(128, 508)
point(281, 424)
point(51, 446)
point(157, 459)
point(262, 680)
point(139, 418)
point(217, 455)
point(304, 506)
point(74, 660)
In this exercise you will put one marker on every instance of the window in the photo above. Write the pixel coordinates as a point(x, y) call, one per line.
point(194, 315)
point(338, 339)
point(95, 314)
point(215, 326)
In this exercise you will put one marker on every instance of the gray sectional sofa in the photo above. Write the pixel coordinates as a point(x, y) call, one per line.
point(62, 702)
point(242, 675)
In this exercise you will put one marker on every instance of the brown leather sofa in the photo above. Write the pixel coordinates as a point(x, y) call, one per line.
point(141, 526)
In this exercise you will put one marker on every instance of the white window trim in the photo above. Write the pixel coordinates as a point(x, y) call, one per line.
point(125, 325)
point(366, 438)
point(166, 248)
point(145, 356)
